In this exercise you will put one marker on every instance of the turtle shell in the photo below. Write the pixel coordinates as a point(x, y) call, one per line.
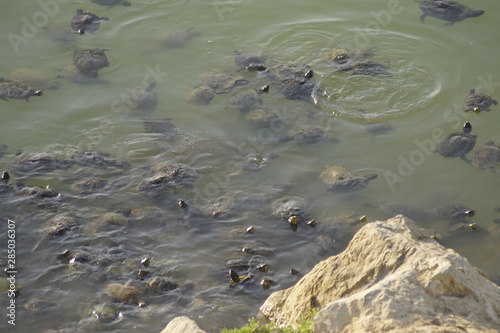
point(447, 10)
point(17, 90)
point(89, 61)
point(478, 101)
point(221, 82)
point(488, 157)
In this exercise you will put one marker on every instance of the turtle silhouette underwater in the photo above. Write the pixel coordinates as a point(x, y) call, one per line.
point(488, 157)
point(17, 90)
point(478, 101)
point(458, 144)
point(447, 10)
point(89, 61)
point(86, 22)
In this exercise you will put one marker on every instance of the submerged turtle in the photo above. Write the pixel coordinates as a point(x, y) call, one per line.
point(177, 38)
point(36, 192)
point(306, 134)
point(488, 157)
point(453, 212)
point(95, 159)
point(201, 95)
point(142, 99)
point(447, 10)
point(249, 62)
point(62, 35)
point(58, 225)
point(123, 293)
point(339, 179)
point(261, 115)
point(107, 221)
point(458, 144)
point(89, 61)
point(221, 82)
point(34, 78)
point(17, 90)
point(366, 67)
point(86, 22)
point(290, 206)
point(163, 126)
point(244, 100)
point(73, 74)
point(111, 3)
point(178, 174)
point(92, 185)
point(478, 101)
point(342, 56)
point(40, 163)
point(295, 80)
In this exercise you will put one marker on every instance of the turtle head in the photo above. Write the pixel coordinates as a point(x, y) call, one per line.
point(467, 127)
point(309, 74)
point(476, 109)
point(264, 89)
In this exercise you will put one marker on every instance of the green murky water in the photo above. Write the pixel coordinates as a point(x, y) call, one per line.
point(433, 68)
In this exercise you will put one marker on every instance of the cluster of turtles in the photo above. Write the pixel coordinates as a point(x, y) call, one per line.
point(174, 182)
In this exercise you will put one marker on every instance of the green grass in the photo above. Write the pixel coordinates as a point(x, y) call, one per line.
point(253, 326)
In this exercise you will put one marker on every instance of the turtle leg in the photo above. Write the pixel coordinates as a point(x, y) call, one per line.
point(5, 99)
point(465, 159)
point(422, 17)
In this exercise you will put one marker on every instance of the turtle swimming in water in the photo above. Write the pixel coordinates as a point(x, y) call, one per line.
point(339, 179)
point(478, 102)
point(220, 82)
point(458, 144)
point(244, 100)
point(249, 62)
point(488, 157)
point(365, 67)
point(111, 3)
point(142, 99)
point(447, 10)
point(89, 61)
point(17, 90)
point(34, 78)
point(86, 22)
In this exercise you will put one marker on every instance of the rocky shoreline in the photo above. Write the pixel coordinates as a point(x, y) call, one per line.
point(393, 277)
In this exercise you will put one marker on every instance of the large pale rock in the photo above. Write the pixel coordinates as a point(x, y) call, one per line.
point(182, 325)
point(391, 278)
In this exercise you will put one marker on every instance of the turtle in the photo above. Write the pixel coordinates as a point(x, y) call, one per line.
point(295, 80)
point(58, 225)
point(36, 192)
point(256, 161)
point(177, 38)
point(244, 100)
point(163, 126)
point(457, 144)
point(34, 78)
point(40, 163)
point(201, 95)
point(84, 22)
point(17, 90)
point(111, 3)
point(5, 187)
point(123, 293)
point(142, 99)
point(141, 215)
point(39, 305)
point(304, 134)
point(342, 56)
point(249, 62)
point(95, 159)
point(365, 67)
point(91, 185)
point(378, 127)
point(107, 221)
point(73, 74)
point(478, 102)
point(447, 10)
point(488, 157)
point(221, 206)
point(89, 61)
point(454, 212)
point(339, 179)
point(261, 115)
point(221, 82)
point(159, 284)
point(104, 314)
point(289, 206)
point(177, 174)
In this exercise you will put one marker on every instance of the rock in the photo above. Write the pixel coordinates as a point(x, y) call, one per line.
point(391, 278)
point(182, 325)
